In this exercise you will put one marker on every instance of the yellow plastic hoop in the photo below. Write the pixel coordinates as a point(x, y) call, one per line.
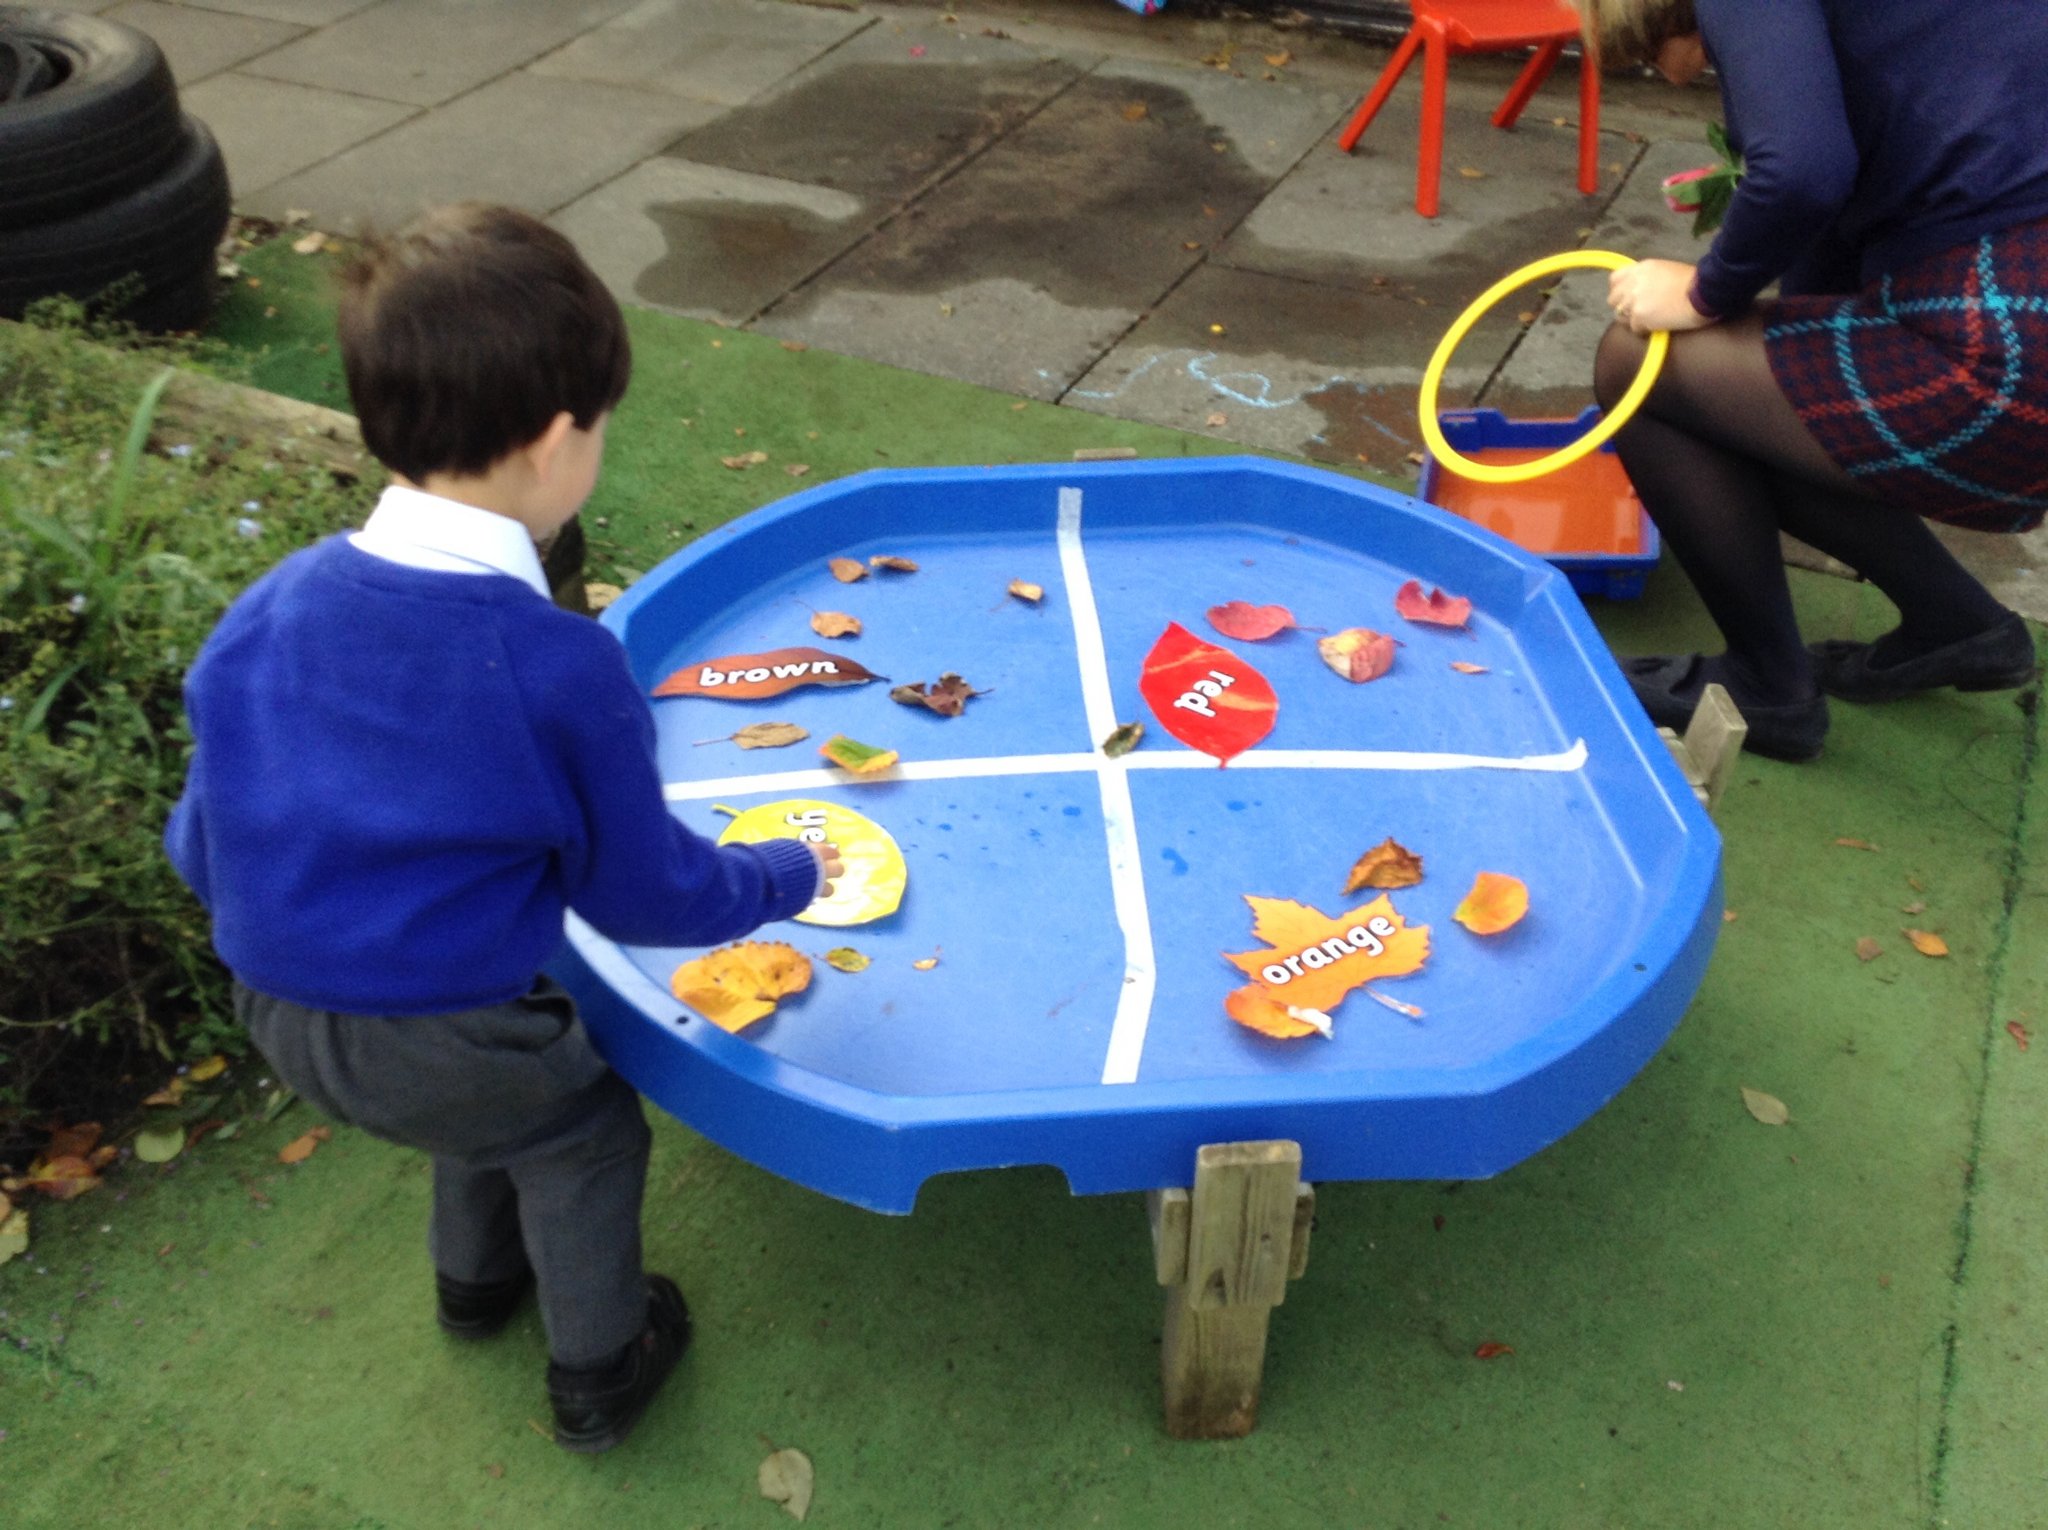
point(1564, 456)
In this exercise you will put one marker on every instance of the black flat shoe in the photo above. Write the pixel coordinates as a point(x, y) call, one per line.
point(1669, 687)
point(473, 1311)
point(596, 1407)
point(2000, 658)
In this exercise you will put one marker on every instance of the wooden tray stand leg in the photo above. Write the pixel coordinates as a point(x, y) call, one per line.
point(1225, 1252)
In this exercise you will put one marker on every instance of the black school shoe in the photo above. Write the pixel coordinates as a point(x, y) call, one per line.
point(1669, 687)
point(597, 1406)
point(473, 1311)
point(2000, 658)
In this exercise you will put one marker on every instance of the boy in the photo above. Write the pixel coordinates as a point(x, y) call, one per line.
point(408, 762)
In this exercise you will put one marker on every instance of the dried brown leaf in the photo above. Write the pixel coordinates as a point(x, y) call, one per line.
point(1387, 864)
point(1025, 590)
point(835, 624)
point(1855, 844)
point(1868, 950)
point(848, 570)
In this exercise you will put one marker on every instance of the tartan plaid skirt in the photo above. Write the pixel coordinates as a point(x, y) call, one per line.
point(1930, 386)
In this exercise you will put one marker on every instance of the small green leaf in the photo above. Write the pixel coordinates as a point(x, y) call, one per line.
point(1124, 740)
point(160, 1144)
point(846, 959)
point(14, 1234)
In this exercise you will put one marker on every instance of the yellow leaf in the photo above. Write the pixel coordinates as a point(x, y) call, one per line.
point(1387, 864)
point(846, 959)
point(1315, 960)
point(1767, 1108)
point(1496, 902)
point(736, 985)
point(926, 963)
point(834, 624)
point(1926, 943)
point(211, 1068)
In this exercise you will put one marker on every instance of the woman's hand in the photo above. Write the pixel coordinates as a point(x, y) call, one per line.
point(1653, 294)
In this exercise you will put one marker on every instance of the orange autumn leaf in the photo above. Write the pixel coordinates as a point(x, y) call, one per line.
point(1254, 1008)
point(1926, 942)
point(736, 985)
point(1387, 864)
point(2018, 1033)
point(1436, 608)
point(63, 1178)
point(300, 1148)
point(72, 1141)
point(847, 570)
point(1358, 653)
point(1313, 960)
point(1496, 902)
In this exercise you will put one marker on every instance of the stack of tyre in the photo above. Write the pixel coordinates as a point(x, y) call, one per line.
point(109, 193)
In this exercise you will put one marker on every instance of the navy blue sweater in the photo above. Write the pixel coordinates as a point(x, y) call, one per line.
point(402, 777)
point(1875, 132)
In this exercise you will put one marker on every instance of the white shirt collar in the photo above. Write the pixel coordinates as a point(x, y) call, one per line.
point(422, 530)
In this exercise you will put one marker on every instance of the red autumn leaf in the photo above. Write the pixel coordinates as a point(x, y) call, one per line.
point(1436, 608)
point(1492, 1351)
point(1248, 623)
point(2018, 1033)
point(753, 676)
point(1205, 696)
point(1358, 653)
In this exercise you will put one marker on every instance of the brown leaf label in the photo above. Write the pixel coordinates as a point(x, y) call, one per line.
point(1387, 864)
point(755, 676)
point(835, 624)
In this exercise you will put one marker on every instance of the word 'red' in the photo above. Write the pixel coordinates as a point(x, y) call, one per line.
point(753, 676)
point(1369, 938)
point(1205, 690)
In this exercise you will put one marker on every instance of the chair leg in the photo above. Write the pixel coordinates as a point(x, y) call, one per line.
point(1429, 166)
point(1382, 88)
point(1589, 120)
point(1533, 74)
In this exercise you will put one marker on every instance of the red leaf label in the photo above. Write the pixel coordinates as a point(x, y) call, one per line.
point(1205, 696)
point(1436, 608)
point(753, 676)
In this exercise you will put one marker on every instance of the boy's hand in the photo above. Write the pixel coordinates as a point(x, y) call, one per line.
point(828, 858)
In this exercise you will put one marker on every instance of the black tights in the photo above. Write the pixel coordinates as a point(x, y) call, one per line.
point(1722, 462)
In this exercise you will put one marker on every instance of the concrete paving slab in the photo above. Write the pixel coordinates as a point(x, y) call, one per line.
point(2014, 568)
point(710, 50)
point(465, 150)
point(198, 43)
point(426, 51)
point(1328, 372)
point(998, 331)
point(307, 13)
point(709, 242)
point(1350, 219)
point(870, 119)
point(1269, 124)
point(269, 129)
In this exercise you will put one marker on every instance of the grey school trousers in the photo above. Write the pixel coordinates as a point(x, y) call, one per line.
point(539, 1149)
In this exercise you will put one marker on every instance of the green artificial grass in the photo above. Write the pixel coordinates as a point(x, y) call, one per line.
point(1715, 1323)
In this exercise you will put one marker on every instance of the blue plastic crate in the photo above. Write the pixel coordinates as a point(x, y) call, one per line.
point(1592, 571)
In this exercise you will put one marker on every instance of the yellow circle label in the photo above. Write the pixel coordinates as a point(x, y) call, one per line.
point(870, 887)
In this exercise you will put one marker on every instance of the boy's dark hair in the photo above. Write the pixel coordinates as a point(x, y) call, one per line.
point(465, 333)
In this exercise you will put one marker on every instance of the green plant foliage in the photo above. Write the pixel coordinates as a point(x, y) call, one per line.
point(116, 559)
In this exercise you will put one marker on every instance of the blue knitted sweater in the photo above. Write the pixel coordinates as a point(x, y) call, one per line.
point(1875, 132)
point(402, 778)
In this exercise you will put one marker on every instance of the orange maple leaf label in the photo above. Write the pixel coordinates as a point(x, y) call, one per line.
point(1313, 960)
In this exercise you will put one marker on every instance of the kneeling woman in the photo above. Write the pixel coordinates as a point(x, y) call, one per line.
point(1896, 189)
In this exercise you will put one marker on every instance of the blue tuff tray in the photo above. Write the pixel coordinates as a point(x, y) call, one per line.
point(1079, 905)
point(1615, 575)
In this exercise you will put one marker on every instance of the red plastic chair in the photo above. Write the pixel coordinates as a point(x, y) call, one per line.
point(1445, 27)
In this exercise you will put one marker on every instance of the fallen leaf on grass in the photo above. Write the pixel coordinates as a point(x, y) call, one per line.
point(1387, 864)
point(846, 959)
point(794, 345)
point(13, 1233)
point(160, 1144)
point(598, 595)
point(1246, 622)
point(65, 1178)
point(1917, 906)
point(948, 697)
point(855, 758)
point(1123, 740)
point(1496, 902)
point(835, 624)
point(1358, 653)
point(1025, 590)
point(893, 563)
point(1465, 668)
point(1492, 1351)
point(796, 469)
point(207, 1069)
point(736, 985)
point(301, 1147)
point(1926, 942)
point(2018, 1033)
point(847, 570)
point(172, 1093)
point(311, 244)
point(1868, 950)
point(762, 736)
point(744, 460)
point(1256, 1009)
point(1855, 844)
point(1435, 609)
point(1767, 1108)
point(787, 1478)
